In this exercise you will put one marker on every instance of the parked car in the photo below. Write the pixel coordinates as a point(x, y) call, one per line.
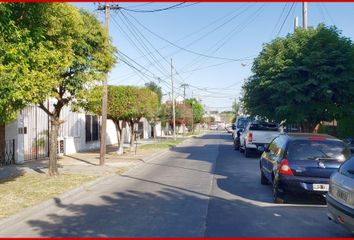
point(237, 139)
point(301, 163)
point(350, 143)
point(257, 134)
point(228, 128)
point(240, 123)
point(340, 197)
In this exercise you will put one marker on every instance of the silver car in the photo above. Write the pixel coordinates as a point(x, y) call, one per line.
point(340, 197)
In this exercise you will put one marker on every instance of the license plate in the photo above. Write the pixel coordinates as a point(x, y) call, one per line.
point(342, 195)
point(320, 187)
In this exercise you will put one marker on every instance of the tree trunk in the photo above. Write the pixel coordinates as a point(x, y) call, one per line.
point(132, 135)
point(118, 130)
point(53, 146)
point(121, 142)
point(154, 131)
point(2, 133)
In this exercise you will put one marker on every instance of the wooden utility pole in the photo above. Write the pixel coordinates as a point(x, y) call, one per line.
point(105, 8)
point(173, 105)
point(304, 15)
point(192, 113)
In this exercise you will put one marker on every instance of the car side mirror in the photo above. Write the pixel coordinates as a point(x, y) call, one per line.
point(233, 127)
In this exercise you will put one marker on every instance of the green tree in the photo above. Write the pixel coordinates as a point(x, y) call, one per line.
point(146, 105)
point(304, 78)
point(235, 106)
point(197, 110)
point(126, 105)
point(156, 89)
point(65, 50)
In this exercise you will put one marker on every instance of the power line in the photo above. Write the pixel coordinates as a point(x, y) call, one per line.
point(183, 48)
point(154, 10)
point(204, 27)
point(286, 18)
point(278, 21)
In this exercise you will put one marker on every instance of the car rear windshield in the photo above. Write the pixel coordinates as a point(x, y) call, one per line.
point(242, 123)
point(264, 126)
point(347, 168)
point(318, 150)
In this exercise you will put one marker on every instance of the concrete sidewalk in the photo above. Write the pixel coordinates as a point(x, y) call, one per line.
point(87, 163)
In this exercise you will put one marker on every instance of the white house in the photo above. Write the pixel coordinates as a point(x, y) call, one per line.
point(27, 137)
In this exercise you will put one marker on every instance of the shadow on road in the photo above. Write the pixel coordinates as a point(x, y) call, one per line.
point(167, 213)
point(170, 210)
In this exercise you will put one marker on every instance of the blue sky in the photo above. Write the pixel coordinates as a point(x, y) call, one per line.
point(231, 34)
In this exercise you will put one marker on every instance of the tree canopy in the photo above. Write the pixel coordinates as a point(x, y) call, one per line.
point(303, 78)
point(197, 108)
point(49, 50)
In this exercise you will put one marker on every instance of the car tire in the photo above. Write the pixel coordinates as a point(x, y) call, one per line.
point(264, 180)
point(241, 150)
point(236, 146)
point(278, 197)
point(247, 152)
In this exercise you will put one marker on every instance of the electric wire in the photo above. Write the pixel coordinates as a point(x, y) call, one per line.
point(154, 10)
point(286, 18)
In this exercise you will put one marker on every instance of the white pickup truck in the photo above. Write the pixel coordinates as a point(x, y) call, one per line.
point(257, 134)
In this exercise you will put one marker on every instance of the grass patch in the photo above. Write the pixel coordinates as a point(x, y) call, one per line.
point(162, 144)
point(121, 170)
point(30, 189)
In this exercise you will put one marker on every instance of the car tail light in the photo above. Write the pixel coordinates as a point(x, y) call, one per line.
point(285, 168)
point(250, 137)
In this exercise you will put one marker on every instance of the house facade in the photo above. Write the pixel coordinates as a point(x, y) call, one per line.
point(27, 137)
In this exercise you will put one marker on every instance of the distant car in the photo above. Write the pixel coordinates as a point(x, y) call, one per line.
point(240, 123)
point(340, 197)
point(237, 139)
point(228, 129)
point(257, 133)
point(301, 163)
point(213, 127)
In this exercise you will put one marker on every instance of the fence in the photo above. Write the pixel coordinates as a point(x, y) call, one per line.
point(7, 152)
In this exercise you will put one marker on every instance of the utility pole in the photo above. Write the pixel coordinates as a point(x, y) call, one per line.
point(105, 8)
point(173, 106)
point(192, 113)
point(296, 23)
point(184, 85)
point(304, 15)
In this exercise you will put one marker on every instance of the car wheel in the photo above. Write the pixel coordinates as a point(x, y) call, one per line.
point(241, 150)
point(236, 146)
point(264, 180)
point(247, 152)
point(277, 196)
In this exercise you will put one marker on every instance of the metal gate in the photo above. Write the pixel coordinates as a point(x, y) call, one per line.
point(36, 125)
point(7, 152)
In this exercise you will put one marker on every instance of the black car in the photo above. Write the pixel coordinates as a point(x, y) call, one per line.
point(301, 163)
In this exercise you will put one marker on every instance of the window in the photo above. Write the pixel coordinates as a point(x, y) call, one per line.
point(91, 128)
point(347, 168)
point(318, 149)
point(264, 126)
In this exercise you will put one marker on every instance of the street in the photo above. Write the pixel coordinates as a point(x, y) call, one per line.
point(202, 188)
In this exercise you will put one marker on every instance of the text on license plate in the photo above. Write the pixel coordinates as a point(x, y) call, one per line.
point(343, 195)
point(320, 187)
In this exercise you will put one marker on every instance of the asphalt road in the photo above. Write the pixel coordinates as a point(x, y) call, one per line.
point(202, 188)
